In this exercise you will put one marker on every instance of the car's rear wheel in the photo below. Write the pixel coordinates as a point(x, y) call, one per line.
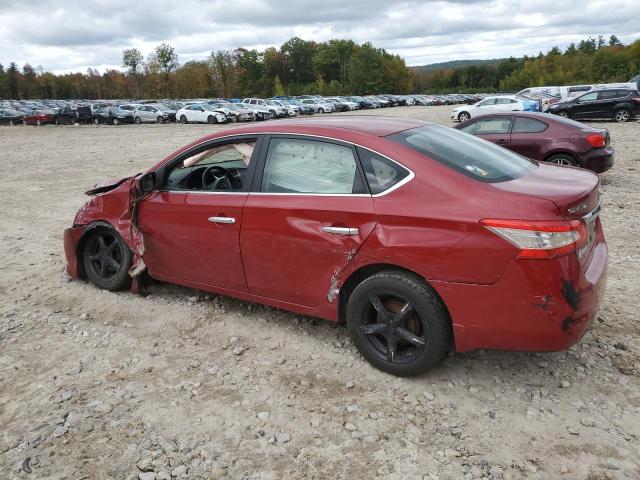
point(464, 116)
point(96, 121)
point(116, 121)
point(622, 115)
point(58, 122)
point(563, 159)
point(138, 120)
point(398, 323)
point(38, 123)
point(106, 259)
point(212, 119)
point(183, 119)
point(563, 114)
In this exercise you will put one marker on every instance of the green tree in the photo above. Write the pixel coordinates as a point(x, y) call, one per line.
point(278, 89)
point(132, 60)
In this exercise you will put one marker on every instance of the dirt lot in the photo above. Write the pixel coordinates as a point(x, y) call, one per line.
point(180, 383)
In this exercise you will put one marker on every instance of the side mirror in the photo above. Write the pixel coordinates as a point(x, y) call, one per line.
point(147, 182)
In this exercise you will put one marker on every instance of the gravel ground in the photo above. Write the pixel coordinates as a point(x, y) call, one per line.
point(182, 384)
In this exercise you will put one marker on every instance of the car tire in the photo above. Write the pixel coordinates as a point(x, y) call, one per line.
point(183, 119)
point(116, 121)
point(321, 110)
point(160, 120)
point(137, 120)
point(96, 121)
point(463, 116)
point(211, 119)
point(563, 159)
point(38, 123)
point(11, 123)
point(233, 118)
point(563, 114)
point(106, 259)
point(58, 121)
point(622, 115)
point(376, 320)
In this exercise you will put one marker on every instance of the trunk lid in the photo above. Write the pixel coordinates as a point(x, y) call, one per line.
point(574, 191)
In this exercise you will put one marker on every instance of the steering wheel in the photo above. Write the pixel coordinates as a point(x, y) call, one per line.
point(221, 178)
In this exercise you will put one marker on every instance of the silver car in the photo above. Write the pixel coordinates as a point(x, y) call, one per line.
point(154, 113)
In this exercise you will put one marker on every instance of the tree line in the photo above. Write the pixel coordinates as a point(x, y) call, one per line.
point(593, 60)
point(297, 67)
point(335, 67)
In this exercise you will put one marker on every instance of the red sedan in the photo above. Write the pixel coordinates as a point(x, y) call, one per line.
point(420, 237)
point(545, 137)
point(38, 117)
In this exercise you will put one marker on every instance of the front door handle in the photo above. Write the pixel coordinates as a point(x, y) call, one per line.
point(502, 140)
point(222, 219)
point(341, 230)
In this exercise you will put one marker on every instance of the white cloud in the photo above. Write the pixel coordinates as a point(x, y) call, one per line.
point(73, 35)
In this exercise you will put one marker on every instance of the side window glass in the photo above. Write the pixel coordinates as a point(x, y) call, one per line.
point(381, 173)
point(219, 168)
point(309, 166)
point(491, 125)
point(589, 97)
point(528, 125)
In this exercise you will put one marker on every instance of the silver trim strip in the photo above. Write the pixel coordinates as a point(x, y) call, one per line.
point(593, 213)
point(404, 181)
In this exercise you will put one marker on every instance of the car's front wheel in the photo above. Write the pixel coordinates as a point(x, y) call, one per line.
point(183, 119)
point(116, 121)
point(563, 114)
point(160, 120)
point(138, 120)
point(398, 323)
point(96, 121)
point(622, 115)
point(463, 116)
point(106, 259)
point(212, 119)
point(321, 110)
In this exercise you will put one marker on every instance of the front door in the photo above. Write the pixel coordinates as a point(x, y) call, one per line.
point(306, 220)
point(585, 106)
point(495, 129)
point(191, 225)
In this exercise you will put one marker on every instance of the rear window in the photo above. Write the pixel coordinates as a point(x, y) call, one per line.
point(469, 155)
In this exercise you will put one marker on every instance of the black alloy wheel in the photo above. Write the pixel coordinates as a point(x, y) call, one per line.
point(106, 259)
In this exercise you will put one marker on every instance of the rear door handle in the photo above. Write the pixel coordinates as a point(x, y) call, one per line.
point(341, 230)
point(222, 219)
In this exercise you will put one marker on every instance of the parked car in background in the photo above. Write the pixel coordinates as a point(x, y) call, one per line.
point(366, 221)
point(112, 116)
point(38, 117)
point(546, 138)
point(9, 116)
point(620, 105)
point(275, 109)
point(239, 112)
point(84, 114)
point(304, 109)
point(292, 110)
point(501, 103)
point(154, 113)
point(319, 106)
point(200, 113)
point(66, 116)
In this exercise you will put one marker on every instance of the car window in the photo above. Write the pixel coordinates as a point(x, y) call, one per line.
point(380, 172)
point(489, 126)
point(589, 97)
point(219, 168)
point(609, 94)
point(309, 166)
point(469, 155)
point(528, 125)
point(488, 101)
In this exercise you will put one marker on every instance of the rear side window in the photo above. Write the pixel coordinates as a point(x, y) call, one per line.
point(310, 166)
point(489, 125)
point(529, 125)
point(469, 155)
point(610, 94)
point(381, 173)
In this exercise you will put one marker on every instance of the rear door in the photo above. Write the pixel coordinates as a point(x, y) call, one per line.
point(607, 100)
point(496, 129)
point(307, 215)
point(529, 137)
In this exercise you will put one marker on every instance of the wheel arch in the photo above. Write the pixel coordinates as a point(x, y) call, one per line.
point(83, 238)
point(561, 151)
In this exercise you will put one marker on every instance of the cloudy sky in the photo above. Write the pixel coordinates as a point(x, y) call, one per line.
point(72, 35)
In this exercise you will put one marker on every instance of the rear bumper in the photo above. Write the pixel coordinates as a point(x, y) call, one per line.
point(537, 305)
point(597, 160)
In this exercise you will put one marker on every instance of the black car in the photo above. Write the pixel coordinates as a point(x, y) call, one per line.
point(65, 116)
point(618, 104)
point(10, 117)
point(112, 116)
point(84, 114)
point(362, 102)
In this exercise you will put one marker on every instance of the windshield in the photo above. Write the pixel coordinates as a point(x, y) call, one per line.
point(469, 155)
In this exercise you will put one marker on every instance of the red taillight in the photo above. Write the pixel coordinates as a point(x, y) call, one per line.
point(597, 140)
point(540, 239)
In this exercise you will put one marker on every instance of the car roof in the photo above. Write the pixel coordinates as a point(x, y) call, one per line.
point(380, 126)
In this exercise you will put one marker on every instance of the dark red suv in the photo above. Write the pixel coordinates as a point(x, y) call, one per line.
point(543, 137)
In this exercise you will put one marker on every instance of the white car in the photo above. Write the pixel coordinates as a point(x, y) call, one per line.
point(200, 113)
point(488, 105)
point(292, 110)
point(277, 110)
point(319, 106)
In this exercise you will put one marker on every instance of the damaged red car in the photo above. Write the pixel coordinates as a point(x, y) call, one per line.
point(420, 237)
